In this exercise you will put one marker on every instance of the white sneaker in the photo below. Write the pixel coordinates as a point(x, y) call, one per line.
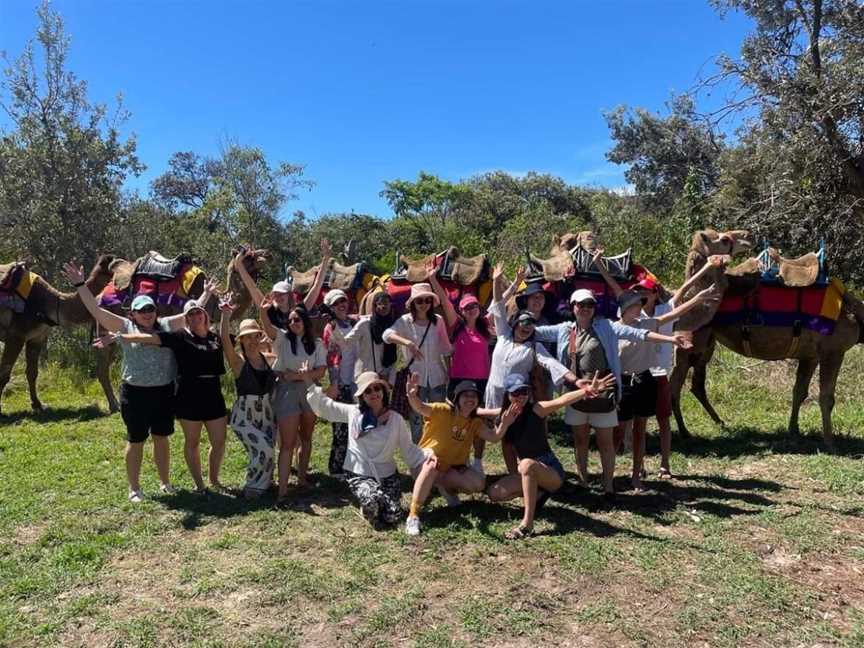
point(477, 466)
point(412, 525)
point(168, 489)
point(136, 496)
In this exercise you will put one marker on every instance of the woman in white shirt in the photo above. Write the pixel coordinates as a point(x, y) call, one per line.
point(423, 337)
point(374, 434)
point(300, 358)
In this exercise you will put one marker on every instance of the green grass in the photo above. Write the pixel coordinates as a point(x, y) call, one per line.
point(757, 541)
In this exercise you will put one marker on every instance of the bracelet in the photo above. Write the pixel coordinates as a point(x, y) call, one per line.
point(79, 284)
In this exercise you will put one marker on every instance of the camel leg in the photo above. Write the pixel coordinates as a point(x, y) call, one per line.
point(11, 351)
point(806, 367)
point(103, 374)
point(32, 351)
point(697, 384)
point(829, 369)
point(676, 384)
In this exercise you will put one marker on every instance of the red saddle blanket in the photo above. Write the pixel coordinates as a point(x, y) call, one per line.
point(815, 307)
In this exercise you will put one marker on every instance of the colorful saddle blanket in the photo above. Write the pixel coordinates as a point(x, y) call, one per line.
point(816, 308)
point(15, 285)
point(175, 292)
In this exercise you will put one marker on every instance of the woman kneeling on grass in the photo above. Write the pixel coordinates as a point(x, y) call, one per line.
point(523, 425)
point(449, 432)
point(252, 415)
point(374, 434)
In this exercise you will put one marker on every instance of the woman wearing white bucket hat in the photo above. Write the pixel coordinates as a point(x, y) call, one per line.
point(375, 433)
point(425, 343)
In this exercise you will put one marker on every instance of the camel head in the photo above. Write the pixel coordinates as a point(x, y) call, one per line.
point(566, 242)
point(102, 272)
point(254, 264)
point(708, 242)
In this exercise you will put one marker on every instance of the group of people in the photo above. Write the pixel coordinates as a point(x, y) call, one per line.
point(469, 378)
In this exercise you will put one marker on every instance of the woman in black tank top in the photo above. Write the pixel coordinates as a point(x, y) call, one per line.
point(523, 424)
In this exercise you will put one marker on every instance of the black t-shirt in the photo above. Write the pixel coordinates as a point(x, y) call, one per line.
point(196, 356)
point(528, 434)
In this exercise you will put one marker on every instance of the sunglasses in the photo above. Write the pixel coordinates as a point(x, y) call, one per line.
point(586, 304)
point(471, 307)
point(424, 300)
point(295, 320)
point(339, 302)
point(527, 323)
point(146, 310)
point(373, 389)
point(522, 391)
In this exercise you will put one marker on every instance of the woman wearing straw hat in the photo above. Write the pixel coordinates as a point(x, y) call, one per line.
point(375, 433)
point(199, 402)
point(252, 415)
point(147, 380)
point(424, 341)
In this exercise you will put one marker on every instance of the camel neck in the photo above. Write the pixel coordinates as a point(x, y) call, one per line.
point(64, 309)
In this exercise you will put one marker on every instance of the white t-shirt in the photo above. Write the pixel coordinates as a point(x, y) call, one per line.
point(287, 361)
point(665, 351)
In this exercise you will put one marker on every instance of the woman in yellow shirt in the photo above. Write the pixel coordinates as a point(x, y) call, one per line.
point(449, 431)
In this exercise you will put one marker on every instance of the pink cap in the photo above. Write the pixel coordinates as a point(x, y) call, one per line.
point(467, 300)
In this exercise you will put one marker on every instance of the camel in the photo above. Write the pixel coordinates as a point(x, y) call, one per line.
point(812, 349)
point(46, 307)
point(241, 296)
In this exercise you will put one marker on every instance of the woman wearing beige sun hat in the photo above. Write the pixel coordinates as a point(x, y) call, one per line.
point(252, 415)
point(423, 337)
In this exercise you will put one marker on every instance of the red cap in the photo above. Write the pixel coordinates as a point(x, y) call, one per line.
point(648, 283)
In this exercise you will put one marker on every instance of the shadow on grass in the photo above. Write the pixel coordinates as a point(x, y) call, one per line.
point(54, 415)
point(324, 491)
point(741, 441)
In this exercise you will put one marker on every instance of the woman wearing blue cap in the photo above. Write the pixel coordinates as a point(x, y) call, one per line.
point(521, 423)
point(147, 380)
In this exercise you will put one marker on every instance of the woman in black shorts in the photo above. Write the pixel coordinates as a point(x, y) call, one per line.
point(198, 402)
point(523, 425)
point(147, 380)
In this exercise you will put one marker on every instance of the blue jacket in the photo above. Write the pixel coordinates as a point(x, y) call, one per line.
point(608, 334)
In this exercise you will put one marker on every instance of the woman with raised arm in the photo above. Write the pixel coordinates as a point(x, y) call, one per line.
point(424, 341)
point(281, 296)
point(147, 380)
point(471, 337)
point(521, 422)
point(449, 432)
point(198, 402)
point(375, 433)
point(300, 357)
point(252, 415)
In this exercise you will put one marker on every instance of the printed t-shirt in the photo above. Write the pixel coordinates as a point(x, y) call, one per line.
point(449, 435)
point(196, 356)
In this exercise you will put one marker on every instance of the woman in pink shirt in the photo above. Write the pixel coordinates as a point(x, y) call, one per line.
point(470, 336)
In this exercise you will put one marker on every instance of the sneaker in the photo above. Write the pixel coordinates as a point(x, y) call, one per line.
point(477, 466)
point(167, 489)
point(450, 498)
point(412, 525)
point(136, 496)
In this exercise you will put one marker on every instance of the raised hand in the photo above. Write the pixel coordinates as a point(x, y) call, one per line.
point(521, 273)
point(511, 414)
point(431, 270)
point(211, 285)
point(75, 274)
point(497, 271)
point(266, 303)
point(412, 384)
point(105, 341)
point(226, 304)
point(326, 249)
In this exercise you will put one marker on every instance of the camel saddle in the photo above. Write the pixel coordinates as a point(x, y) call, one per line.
point(463, 270)
point(10, 275)
point(802, 272)
point(414, 270)
point(578, 261)
point(347, 278)
point(152, 265)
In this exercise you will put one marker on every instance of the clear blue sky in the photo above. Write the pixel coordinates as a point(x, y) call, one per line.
point(363, 92)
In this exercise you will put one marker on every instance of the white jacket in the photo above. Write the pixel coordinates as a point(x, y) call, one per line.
point(371, 455)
